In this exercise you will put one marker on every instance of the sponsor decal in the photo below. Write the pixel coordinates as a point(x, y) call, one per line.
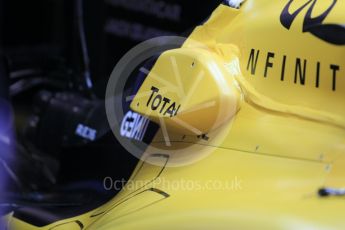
point(86, 132)
point(134, 126)
point(330, 32)
point(133, 30)
point(164, 105)
point(159, 9)
point(301, 68)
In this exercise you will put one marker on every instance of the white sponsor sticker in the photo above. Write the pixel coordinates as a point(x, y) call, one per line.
point(134, 126)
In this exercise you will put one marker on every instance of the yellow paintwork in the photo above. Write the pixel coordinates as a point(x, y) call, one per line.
point(263, 167)
point(198, 82)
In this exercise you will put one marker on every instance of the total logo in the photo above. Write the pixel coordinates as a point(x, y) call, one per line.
point(134, 126)
point(164, 105)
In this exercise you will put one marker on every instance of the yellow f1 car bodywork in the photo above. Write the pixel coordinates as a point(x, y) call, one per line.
point(271, 135)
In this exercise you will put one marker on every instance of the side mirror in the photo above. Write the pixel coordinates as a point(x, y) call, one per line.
point(188, 91)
